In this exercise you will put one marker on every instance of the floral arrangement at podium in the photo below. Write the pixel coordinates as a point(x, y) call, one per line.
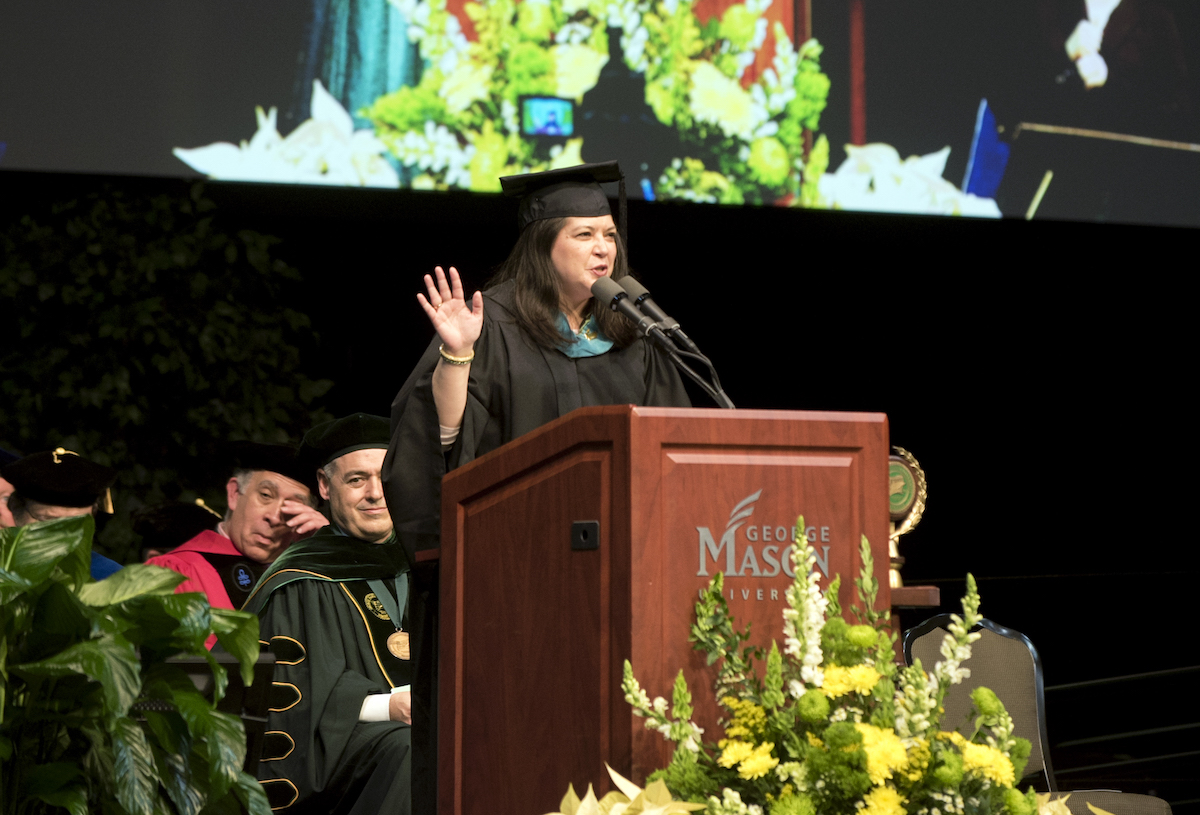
point(832, 725)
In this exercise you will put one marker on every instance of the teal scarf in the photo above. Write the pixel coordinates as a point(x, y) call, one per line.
point(586, 342)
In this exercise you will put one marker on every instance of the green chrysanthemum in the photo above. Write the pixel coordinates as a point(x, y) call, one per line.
point(795, 804)
point(861, 636)
point(1017, 803)
point(737, 26)
point(769, 164)
point(530, 71)
point(813, 706)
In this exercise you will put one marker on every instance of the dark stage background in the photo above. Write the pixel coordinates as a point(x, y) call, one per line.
point(1037, 370)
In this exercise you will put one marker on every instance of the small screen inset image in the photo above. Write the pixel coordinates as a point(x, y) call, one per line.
point(547, 116)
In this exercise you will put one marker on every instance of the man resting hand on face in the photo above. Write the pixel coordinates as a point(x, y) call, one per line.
point(333, 609)
point(271, 505)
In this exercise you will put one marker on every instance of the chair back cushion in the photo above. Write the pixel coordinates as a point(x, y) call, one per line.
point(1118, 803)
point(1007, 667)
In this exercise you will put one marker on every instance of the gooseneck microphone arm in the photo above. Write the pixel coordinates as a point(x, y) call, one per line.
point(641, 298)
point(609, 292)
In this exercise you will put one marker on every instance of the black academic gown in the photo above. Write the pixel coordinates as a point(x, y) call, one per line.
point(515, 386)
point(324, 625)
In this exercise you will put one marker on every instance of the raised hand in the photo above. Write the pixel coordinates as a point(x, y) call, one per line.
point(456, 322)
point(303, 519)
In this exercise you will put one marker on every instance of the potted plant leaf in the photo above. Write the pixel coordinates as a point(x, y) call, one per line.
point(93, 715)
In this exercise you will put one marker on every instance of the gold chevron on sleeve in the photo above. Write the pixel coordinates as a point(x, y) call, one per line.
point(287, 650)
point(281, 793)
point(284, 696)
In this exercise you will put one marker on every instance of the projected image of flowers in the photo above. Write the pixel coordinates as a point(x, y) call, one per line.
point(326, 149)
point(459, 126)
point(733, 140)
point(706, 101)
point(735, 103)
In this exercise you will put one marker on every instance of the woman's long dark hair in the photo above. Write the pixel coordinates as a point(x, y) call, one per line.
point(538, 287)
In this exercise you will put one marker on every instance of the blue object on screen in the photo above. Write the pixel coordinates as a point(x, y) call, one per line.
point(547, 116)
point(988, 158)
point(3, 147)
point(647, 190)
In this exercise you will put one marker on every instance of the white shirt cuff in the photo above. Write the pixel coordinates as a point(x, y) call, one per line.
point(375, 708)
point(449, 434)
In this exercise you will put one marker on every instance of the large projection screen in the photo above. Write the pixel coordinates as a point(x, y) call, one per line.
point(1070, 109)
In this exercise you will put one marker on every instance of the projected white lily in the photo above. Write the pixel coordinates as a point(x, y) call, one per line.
point(874, 179)
point(325, 149)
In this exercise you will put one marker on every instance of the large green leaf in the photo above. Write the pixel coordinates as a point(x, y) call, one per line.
point(237, 631)
point(32, 552)
point(12, 585)
point(220, 676)
point(137, 780)
point(169, 623)
point(73, 799)
point(59, 620)
point(225, 738)
point(175, 774)
point(226, 743)
point(130, 582)
point(114, 665)
point(168, 730)
point(246, 796)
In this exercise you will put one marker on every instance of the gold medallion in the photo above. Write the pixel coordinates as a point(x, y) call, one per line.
point(375, 606)
point(397, 643)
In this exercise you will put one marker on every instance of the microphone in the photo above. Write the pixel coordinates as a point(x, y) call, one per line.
point(641, 298)
point(607, 290)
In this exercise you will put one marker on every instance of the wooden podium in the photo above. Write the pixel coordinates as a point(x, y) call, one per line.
point(586, 542)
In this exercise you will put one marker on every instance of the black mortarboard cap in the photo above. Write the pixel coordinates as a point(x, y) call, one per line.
point(59, 478)
point(277, 458)
point(570, 191)
point(7, 457)
point(166, 526)
point(330, 440)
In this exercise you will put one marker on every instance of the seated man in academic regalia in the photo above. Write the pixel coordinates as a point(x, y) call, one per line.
point(164, 527)
point(60, 484)
point(333, 609)
point(271, 505)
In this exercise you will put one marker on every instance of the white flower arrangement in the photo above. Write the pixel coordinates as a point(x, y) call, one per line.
point(325, 149)
point(874, 179)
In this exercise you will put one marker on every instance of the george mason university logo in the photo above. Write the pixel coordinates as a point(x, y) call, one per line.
point(737, 556)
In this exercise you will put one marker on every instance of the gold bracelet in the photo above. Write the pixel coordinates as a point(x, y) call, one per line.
point(453, 360)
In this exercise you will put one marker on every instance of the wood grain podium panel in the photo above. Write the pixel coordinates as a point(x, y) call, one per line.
point(534, 634)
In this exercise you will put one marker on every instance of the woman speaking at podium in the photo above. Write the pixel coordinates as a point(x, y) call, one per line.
point(532, 347)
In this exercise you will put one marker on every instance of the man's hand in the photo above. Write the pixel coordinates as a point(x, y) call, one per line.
point(400, 707)
point(302, 519)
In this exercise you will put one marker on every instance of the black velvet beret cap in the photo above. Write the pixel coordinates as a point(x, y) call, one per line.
point(570, 191)
point(59, 478)
point(330, 440)
point(166, 526)
point(276, 458)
